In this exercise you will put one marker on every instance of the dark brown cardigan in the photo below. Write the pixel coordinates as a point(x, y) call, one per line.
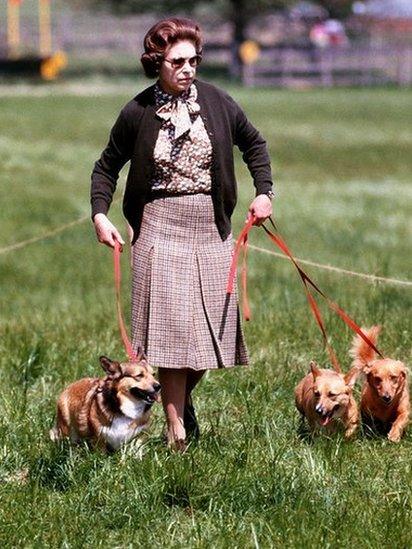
point(133, 137)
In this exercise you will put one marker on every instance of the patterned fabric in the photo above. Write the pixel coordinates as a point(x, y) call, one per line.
point(178, 109)
point(183, 152)
point(180, 267)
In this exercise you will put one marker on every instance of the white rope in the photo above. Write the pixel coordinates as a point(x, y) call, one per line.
point(58, 230)
point(364, 276)
point(49, 234)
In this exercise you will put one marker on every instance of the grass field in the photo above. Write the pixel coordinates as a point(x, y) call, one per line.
point(343, 165)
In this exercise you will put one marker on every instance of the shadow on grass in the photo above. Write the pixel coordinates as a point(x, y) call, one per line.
point(374, 429)
point(309, 437)
point(177, 496)
point(178, 484)
point(56, 470)
point(303, 432)
point(52, 471)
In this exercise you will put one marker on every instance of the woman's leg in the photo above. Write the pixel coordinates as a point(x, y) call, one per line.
point(173, 382)
point(193, 378)
point(189, 417)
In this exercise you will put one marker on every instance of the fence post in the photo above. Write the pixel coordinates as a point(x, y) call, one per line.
point(325, 65)
point(248, 73)
point(404, 66)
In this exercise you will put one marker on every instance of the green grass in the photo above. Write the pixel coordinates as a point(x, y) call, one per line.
point(343, 167)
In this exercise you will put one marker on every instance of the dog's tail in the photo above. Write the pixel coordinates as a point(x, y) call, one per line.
point(361, 352)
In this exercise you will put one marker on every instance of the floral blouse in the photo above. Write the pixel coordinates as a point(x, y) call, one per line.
point(183, 152)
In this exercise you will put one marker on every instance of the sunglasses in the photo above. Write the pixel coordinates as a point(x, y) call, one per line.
point(179, 62)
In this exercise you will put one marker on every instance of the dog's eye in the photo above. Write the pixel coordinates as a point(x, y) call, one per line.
point(394, 378)
point(378, 380)
point(316, 393)
point(330, 394)
point(139, 376)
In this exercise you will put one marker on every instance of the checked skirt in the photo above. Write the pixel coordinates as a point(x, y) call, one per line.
point(181, 315)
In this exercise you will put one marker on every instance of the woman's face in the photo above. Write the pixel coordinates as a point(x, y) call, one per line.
point(176, 73)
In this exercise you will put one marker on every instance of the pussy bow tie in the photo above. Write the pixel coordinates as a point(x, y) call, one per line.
point(178, 111)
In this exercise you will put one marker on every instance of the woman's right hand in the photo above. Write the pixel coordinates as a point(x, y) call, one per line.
point(105, 230)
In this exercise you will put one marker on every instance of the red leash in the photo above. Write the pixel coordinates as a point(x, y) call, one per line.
point(241, 244)
point(307, 283)
point(117, 279)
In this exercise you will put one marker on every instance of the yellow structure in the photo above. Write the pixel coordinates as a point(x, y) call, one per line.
point(48, 63)
point(13, 27)
point(45, 28)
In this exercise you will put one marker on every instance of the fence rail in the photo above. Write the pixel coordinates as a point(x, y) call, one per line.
point(344, 66)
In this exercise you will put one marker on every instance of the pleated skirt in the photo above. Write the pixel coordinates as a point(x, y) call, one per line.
point(181, 315)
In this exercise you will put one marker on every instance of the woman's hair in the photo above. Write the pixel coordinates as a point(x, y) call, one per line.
point(162, 35)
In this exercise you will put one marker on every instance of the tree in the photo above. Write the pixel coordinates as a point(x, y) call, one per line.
point(337, 9)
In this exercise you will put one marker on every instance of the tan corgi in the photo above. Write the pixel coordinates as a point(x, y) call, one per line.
point(108, 412)
point(324, 398)
point(385, 403)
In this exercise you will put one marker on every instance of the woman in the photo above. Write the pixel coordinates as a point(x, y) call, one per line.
point(178, 135)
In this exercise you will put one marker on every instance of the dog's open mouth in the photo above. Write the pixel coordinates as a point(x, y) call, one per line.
point(147, 396)
point(325, 418)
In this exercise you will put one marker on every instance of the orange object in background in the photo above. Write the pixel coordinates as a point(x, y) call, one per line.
point(51, 66)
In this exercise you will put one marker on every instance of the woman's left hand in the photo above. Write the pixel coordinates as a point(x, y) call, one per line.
point(261, 208)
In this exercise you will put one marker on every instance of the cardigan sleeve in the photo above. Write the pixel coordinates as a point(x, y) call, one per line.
point(254, 152)
point(106, 170)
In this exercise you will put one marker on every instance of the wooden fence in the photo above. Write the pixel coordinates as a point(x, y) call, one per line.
point(100, 35)
point(353, 65)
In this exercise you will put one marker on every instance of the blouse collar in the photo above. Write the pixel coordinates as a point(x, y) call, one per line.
point(177, 108)
point(162, 96)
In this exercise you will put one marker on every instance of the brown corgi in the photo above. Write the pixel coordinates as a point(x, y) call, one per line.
point(110, 411)
point(385, 404)
point(324, 398)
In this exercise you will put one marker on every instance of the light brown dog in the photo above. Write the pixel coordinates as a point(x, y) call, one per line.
point(111, 411)
point(385, 404)
point(324, 398)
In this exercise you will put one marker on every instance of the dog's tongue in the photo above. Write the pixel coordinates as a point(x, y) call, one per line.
point(325, 421)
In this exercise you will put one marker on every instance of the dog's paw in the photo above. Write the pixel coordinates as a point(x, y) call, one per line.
point(54, 434)
point(394, 435)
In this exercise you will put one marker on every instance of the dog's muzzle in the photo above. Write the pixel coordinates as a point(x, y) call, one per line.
point(325, 416)
point(147, 396)
point(387, 399)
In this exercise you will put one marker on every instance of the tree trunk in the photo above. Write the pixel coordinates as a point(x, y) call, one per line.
point(239, 18)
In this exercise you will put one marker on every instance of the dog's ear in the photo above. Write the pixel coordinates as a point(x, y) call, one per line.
point(351, 376)
point(111, 367)
point(403, 371)
point(314, 368)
